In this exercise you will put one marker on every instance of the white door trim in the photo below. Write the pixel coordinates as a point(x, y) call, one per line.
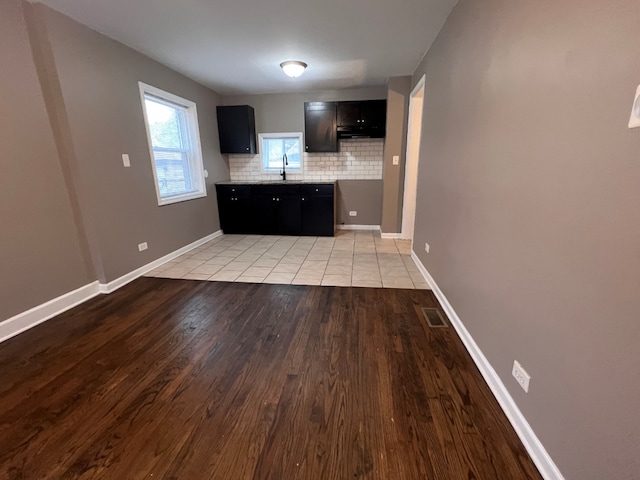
point(414, 127)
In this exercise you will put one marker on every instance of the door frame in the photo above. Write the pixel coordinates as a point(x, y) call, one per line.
point(414, 133)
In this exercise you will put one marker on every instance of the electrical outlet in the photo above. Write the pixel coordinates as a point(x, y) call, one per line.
point(125, 160)
point(396, 159)
point(426, 247)
point(142, 246)
point(521, 376)
point(353, 213)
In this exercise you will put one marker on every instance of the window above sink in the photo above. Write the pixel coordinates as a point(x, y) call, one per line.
point(273, 148)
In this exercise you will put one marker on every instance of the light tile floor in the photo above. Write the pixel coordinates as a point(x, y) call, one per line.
point(351, 258)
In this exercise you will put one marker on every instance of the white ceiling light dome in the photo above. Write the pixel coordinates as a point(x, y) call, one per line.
point(293, 68)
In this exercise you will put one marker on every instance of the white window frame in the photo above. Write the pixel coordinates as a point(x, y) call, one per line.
point(195, 155)
point(262, 136)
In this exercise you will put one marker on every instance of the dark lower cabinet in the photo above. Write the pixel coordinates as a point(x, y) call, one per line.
point(234, 207)
point(276, 209)
point(288, 214)
point(318, 209)
point(263, 214)
point(283, 209)
point(317, 215)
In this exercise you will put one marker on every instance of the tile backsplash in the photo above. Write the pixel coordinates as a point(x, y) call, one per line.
point(359, 159)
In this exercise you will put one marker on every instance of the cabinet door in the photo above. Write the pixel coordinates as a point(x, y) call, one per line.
point(348, 114)
point(263, 209)
point(373, 114)
point(237, 215)
point(237, 129)
point(320, 130)
point(317, 215)
point(234, 208)
point(289, 214)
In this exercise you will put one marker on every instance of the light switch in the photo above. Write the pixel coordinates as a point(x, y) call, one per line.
point(634, 121)
point(125, 160)
point(396, 160)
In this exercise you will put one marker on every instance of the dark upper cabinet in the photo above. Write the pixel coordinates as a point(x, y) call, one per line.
point(320, 132)
point(368, 117)
point(349, 114)
point(237, 129)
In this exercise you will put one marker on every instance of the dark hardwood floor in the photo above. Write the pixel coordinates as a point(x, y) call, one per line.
point(178, 379)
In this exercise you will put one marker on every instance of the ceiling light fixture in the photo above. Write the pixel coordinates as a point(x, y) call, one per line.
point(293, 68)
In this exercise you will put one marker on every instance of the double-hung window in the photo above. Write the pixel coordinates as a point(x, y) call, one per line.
point(279, 148)
point(174, 144)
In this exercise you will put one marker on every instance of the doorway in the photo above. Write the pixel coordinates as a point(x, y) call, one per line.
point(414, 132)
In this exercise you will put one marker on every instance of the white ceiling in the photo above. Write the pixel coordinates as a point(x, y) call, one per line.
point(236, 46)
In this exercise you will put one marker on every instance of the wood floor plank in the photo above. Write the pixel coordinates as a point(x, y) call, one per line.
point(177, 379)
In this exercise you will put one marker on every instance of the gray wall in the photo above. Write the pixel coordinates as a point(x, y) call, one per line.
point(528, 193)
point(284, 112)
point(41, 257)
point(363, 196)
point(94, 81)
point(395, 144)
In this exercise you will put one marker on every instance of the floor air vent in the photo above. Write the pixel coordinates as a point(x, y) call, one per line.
point(434, 318)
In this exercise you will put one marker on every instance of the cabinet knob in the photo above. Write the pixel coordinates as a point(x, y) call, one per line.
point(303, 199)
point(274, 199)
point(358, 121)
point(247, 148)
point(306, 147)
point(277, 199)
point(316, 189)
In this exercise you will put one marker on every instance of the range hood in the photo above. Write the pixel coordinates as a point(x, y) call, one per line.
point(361, 132)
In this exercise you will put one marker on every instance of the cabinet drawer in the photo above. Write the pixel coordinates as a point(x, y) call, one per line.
point(277, 189)
point(320, 189)
point(240, 191)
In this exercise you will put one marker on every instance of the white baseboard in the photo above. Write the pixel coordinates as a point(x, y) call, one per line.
point(391, 235)
point(41, 313)
point(359, 227)
point(138, 272)
point(548, 469)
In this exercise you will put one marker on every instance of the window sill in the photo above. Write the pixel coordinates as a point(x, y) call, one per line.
point(180, 198)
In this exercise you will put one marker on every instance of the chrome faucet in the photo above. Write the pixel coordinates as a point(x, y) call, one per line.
point(283, 174)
